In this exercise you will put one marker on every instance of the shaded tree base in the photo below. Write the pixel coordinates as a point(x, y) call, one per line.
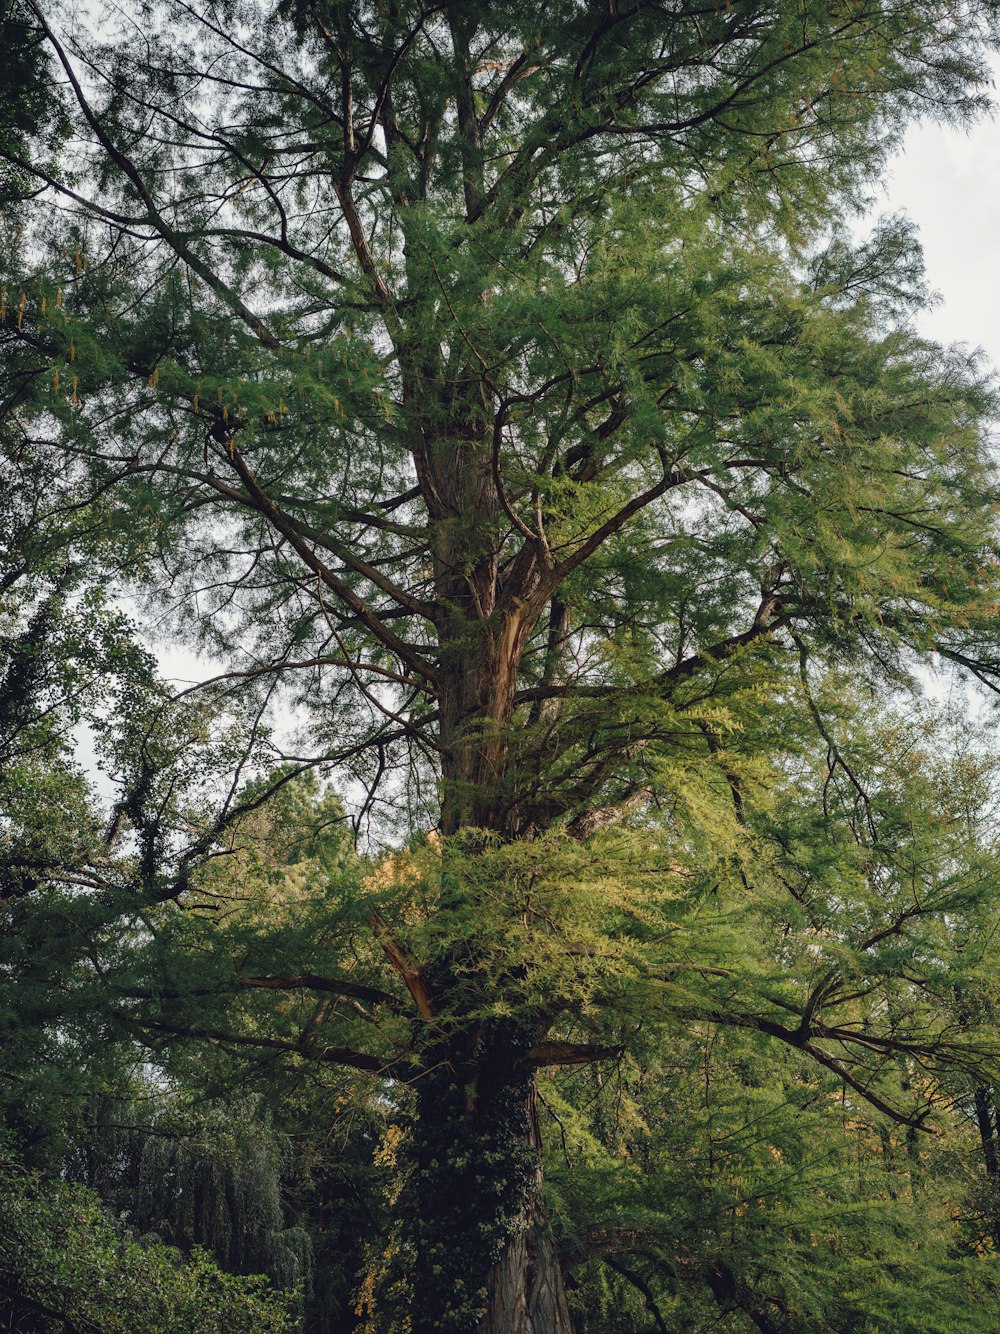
point(527, 1295)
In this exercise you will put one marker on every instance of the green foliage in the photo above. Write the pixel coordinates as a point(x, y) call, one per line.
point(740, 1191)
point(29, 122)
point(195, 1177)
point(570, 512)
point(65, 1264)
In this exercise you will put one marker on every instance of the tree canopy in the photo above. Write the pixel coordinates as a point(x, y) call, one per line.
point(572, 513)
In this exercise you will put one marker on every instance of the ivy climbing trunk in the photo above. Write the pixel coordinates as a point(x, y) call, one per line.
point(485, 1260)
point(526, 1293)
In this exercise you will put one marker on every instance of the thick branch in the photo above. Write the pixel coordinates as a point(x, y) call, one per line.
point(314, 982)
point(410, 972)
point(279, 520)
point(355, 1060)
point(553, 1052)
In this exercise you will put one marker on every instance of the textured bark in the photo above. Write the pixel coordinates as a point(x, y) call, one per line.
point(485, 1260)
point(986, 1121)
point(526, 1290)
point(987, 1132)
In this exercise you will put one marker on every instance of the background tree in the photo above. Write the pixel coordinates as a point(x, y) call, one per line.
point(65, 1266)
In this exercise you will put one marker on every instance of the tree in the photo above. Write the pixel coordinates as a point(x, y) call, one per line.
point(728, 1183)
point(65, 1266)
point(496, 387)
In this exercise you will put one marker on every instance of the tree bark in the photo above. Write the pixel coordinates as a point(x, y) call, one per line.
point(525, 1286)
point(986, 1121)
point(987, 1133)
point(484, 1257)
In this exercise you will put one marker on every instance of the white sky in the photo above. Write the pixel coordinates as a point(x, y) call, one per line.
point(948, 181)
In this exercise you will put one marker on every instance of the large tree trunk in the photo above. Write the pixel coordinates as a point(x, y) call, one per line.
point(525, 1286)
point(485, 1261)
point(484, 1258)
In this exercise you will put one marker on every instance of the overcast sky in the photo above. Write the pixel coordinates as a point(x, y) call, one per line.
point(948, 181)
